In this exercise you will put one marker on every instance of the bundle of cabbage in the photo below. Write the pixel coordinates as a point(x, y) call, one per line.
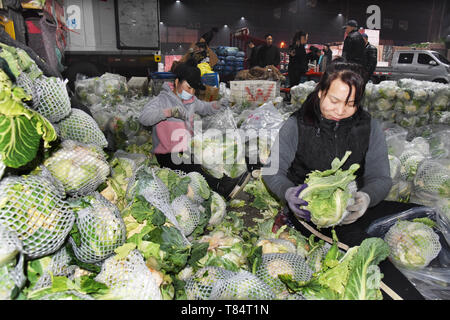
point(413, 154)
point(81, 127)
point(186, 213)
point(242, 285)
point(129, 278)
point(300, 92)
point(432, 180)
point(330, 192)
point(225, 250)
point(218, 209)
point(80, 168)
point(413, 245)
point(21, 128)
point(34, 207)
point(220, 154)
point(200, 285)
point(98, 230)
point(274, 264)
point(52, 100)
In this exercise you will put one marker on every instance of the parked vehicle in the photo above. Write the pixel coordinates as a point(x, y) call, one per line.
point(416, 64)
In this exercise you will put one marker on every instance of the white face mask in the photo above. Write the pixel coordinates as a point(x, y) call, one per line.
point(185, 95)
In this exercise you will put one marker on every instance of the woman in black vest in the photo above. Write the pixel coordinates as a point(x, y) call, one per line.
point(330, 122)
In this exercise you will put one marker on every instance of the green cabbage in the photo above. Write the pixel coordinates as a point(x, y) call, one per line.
point(354, 276)
point(328, 193)
point(21, 129)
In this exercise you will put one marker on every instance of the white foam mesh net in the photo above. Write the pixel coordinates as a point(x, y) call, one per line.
point(186, 213)
point(26, 83)
point(274, 264)
point(101, 230)
point(157, 194)
point(58, 266)
point(413, 244)
point(10, 244)
point(129, 278)
point(35, 209)
point(433, 179)
point(80, 168)
point(277, 244)
point(11, 276)
point(243, 285)
point(199, 286)
point(52, 98)
point(80, 126)
point(410, 160)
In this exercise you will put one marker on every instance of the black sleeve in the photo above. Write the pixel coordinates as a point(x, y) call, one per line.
point(277, 57)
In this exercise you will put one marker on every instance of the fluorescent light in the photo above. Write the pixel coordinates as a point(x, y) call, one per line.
point(242, 18)
point(160, 22)
point(339, 14)
point(225, 26)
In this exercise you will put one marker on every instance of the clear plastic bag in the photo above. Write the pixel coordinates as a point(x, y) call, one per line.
point(433, 281)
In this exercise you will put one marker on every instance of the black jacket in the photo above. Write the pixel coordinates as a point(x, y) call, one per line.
point(327, 139)
point(268, 56)
point(354, 47)
point(371, 57)
point(300, 60)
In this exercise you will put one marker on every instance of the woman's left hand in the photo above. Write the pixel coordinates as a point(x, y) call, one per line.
point(357, 210)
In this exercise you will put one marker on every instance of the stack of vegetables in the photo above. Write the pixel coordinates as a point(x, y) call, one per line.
point(409, 102)
point(85, 225)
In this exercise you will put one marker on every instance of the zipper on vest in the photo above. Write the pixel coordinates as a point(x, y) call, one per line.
point(336, 126)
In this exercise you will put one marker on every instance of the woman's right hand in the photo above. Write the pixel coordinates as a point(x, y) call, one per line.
point(294, 202)
point(176, 112)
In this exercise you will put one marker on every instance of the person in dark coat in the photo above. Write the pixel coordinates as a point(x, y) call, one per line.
point(298, 62)
point(354, 45)
point(370, 56)
point(313, 55)
point(252, 55)
point(268, 54)
point(327, 57)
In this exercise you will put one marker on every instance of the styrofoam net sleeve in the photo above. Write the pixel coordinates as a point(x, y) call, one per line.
point(80, 168)
point(274, 264)
point(58, 266)
point(80, 126)
point(10, 245)
point(26, 83)
point(11, 276)
point(243, 285)
point(129, 278)
point(200, 285)
point(52, 101)
point(34, 208)
point(186, 213)
point(157, 194)
point(433, 178)
point(413, 244)
point(101, 230)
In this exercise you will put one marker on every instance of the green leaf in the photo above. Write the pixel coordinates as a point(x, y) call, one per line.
point(198, 251)
point(426, 221)
point(371, 252)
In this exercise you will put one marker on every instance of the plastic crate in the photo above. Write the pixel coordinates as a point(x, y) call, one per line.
point(211, 79)
point(259, 91)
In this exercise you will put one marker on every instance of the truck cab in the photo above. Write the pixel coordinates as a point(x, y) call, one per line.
point(111, 36)
point(425, 65)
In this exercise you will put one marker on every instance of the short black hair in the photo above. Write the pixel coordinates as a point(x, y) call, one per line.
point(268, 35)
point(352, 74)
point(190, 72)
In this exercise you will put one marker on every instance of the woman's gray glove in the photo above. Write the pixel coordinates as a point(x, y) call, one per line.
point(357, 209)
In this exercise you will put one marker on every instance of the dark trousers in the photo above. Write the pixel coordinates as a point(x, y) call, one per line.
point(353, 234)
point(222, 186)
